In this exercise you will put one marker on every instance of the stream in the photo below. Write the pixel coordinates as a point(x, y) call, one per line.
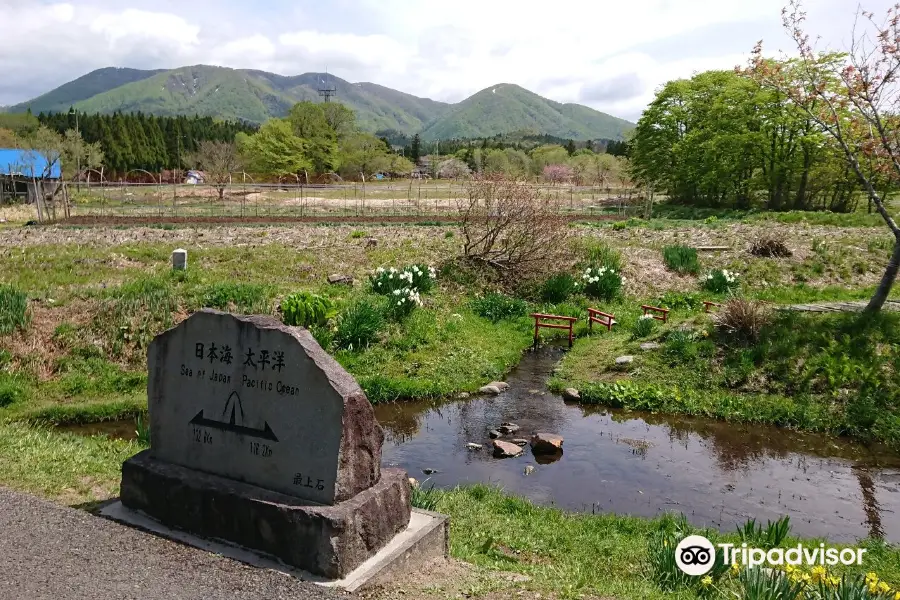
point(718, 474)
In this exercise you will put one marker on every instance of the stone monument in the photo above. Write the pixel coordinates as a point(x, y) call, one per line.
point(260, 438)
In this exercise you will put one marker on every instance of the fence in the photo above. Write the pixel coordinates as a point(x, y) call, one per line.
point(411, 198)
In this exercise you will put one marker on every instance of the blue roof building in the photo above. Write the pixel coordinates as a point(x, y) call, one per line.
point(27, 163)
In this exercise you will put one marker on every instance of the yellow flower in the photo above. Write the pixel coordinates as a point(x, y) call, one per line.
point(897, 596)
point(873, 589)
point(871, 577)
point(735, 568)
point(819, 573)
point(805, 578)
point(706, 581)
point(836, 581)
point(789, 569)
point(883, 587)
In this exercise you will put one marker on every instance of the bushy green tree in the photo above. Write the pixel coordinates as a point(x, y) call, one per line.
point(548, 154)
point(275, 149)
point(720, 139)
point(365, 154)
point(310, 123)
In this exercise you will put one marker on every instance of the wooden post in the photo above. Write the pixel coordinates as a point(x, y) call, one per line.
point(37, 198)
point(66, 212)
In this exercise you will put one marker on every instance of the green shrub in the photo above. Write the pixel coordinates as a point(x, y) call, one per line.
point(242, 297)
point(768, 584)
point(602, 255)
point(771, 537)
point(323, 335)
point(12, 389)
point(603, 283)
point(13, 309)
point(720, 281)
point(305, 309)
point(358, 325)
point(142, 430)
point(681, 259)
point(643, 327)
point(137, 312)
point(357, 234)
point(664, 570)
point(679, 300)
point(680, 346)
point(424, 499)
point(402, 302)
point(495, 307)
point(387, 281)
point(557, 288)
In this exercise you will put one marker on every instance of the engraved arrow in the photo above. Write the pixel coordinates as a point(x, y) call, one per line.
point(266, 433)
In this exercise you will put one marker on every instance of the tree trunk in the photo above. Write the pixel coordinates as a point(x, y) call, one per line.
point(887, 280)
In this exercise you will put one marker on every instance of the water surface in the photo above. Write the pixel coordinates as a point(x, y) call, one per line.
point(717, 473)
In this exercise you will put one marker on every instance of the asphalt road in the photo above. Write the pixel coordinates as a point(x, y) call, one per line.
point(53, 552)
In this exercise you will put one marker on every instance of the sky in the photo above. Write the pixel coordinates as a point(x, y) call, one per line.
point(609, 55)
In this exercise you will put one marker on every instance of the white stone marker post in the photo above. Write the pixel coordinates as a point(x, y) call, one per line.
point(179, 259)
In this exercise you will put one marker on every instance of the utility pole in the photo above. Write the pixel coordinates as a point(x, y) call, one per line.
point(78, 153)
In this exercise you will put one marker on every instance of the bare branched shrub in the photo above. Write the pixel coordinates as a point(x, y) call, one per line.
point(743, 319)
point(508, 225)
point(770, 246)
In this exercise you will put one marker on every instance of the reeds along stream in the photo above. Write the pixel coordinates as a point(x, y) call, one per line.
point(716, 473)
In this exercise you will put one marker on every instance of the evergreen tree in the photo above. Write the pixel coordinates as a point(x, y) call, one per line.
point(415, 148)
point(570, 147)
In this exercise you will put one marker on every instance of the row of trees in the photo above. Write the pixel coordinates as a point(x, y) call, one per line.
point(139, 141)
point(415, 148)
point(551, 162)
point(723, 139)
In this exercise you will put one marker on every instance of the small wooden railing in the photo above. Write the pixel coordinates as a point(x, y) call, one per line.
point(605, 319)
point(539, 319)
point(709, 306)
point(660, 314)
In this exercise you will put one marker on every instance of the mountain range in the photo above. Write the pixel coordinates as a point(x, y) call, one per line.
point(256, 96)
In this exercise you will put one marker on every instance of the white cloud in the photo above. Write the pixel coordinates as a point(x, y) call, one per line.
point(609, 55)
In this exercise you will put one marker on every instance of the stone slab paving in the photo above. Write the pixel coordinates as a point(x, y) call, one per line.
point(54, 552)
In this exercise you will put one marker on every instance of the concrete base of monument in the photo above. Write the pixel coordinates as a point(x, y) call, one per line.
point(329, 542)
point(424, 540)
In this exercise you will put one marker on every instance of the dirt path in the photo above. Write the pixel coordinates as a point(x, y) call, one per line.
point(56, 552)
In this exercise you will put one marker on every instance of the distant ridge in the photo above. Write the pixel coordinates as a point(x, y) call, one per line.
point(256, 96)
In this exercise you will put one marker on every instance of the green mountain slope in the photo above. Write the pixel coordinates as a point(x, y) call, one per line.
point(202, 90)
point(505, 108)
point(87, 86)
point(256, 96)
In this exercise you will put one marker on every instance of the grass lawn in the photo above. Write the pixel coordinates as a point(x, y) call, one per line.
point(562, 555)
point(97, 297)
point(834, 373)
point(569, 555)
point(94, 305)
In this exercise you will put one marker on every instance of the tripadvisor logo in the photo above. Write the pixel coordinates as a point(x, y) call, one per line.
point(696, 555)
